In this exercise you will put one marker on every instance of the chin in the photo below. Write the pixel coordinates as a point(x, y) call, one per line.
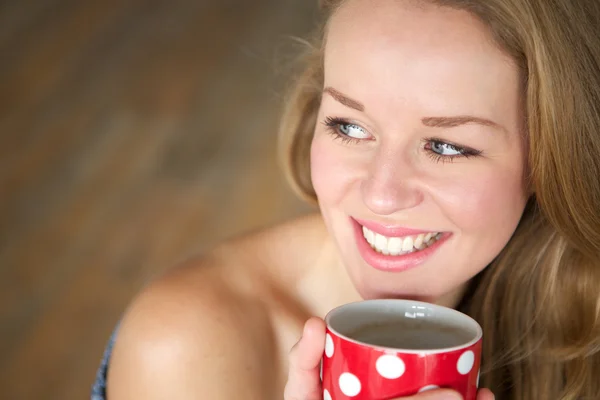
point(375, 293)
point(397, 286)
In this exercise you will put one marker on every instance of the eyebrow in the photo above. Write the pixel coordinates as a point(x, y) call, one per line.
point(451, 122)
point(345, 100)
point(434, 122)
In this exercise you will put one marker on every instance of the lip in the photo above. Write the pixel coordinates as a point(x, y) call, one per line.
point(389, 230)
point(393, 263)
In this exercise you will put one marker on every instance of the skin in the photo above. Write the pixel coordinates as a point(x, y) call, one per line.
point(405, 64)
point(222, 326)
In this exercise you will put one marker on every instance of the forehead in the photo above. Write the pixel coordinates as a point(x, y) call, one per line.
point(411, 50)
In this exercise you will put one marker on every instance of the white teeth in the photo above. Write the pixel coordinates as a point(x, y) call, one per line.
point(395, 245)
point(369, 235)
point(419, 242)
point(408, 244)
point(399, 245)
point(381, 242)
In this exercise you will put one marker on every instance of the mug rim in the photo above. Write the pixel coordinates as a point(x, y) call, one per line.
point(441, 350)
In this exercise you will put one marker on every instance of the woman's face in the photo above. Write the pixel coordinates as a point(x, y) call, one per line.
point(419, 157)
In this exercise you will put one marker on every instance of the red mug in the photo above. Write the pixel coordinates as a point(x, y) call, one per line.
point(383, 349)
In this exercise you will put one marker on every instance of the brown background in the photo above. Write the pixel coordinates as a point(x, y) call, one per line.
point(133, 133)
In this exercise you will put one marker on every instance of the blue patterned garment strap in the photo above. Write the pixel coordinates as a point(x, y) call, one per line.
point(99, 387)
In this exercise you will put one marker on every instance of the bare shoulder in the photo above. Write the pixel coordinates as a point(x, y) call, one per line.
point(191, 334)
point(205, 328)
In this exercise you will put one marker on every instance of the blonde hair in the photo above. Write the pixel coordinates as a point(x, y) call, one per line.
point(539, 301)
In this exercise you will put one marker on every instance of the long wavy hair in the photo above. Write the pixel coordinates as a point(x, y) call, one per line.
point(539, 300)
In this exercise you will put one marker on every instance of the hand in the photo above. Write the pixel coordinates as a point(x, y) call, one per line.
point(304, 382)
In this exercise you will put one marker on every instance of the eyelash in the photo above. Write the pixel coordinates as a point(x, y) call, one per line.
point(332, 124)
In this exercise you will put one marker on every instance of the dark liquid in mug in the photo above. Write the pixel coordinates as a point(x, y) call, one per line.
point(411, 334)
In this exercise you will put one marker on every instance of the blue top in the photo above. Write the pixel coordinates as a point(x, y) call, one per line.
point(99, 387)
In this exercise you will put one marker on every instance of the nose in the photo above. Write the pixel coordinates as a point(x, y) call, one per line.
point(392, 184)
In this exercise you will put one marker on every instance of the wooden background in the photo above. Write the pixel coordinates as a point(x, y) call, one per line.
point(133, 133)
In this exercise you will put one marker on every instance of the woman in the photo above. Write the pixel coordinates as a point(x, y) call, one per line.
point(453, 147)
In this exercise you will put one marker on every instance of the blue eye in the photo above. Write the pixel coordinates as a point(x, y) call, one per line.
point(446, 149)
point(353, 131)
point(442, 151)
point(347, 132)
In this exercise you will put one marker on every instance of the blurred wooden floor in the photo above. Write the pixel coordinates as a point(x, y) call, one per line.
point(133, 133)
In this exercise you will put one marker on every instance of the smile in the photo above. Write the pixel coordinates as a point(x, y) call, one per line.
point(395, 246)
point(395, 249)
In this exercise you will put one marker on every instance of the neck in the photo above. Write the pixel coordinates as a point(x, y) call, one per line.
point(328, 285)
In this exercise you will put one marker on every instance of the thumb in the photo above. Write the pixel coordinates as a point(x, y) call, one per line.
point(438, 394)
point(304, 382)
point(485, 394)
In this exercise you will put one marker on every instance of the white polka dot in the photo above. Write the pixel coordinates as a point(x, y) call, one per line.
point(390, 367)
point(349, 384)
point(478, 373)
point(326, 395)
point(465, 362)
point(328, 345)
point(428, 387)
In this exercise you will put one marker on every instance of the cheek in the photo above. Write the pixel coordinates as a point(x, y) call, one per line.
point(331, 174)
point(490, 202)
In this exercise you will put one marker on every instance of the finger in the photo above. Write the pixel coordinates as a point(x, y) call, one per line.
point(438, 394)
point(304, 382)
point(485, 394)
